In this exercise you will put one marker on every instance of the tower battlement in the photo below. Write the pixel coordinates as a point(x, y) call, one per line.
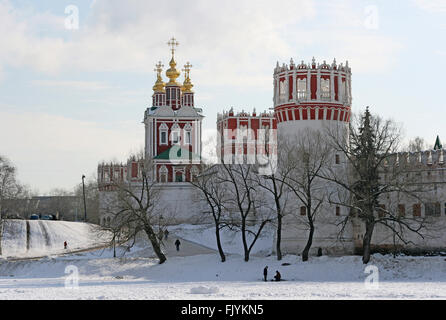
point(310, 94)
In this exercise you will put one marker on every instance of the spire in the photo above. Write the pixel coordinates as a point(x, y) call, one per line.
point(187, 84)
point(172, 73)
point(438, 145)
point(159, 84)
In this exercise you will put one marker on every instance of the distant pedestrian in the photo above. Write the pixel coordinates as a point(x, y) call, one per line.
point(265, 273)
point(177, 244)
point(166, 234)
point(278, 276)
point(65, 245)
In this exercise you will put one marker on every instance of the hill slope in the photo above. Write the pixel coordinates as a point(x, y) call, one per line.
point(32, 238)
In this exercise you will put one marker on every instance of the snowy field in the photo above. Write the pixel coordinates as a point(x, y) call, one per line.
point(35, 238)
point(195, 272)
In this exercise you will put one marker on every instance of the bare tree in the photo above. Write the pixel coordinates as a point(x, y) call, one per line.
point(10, 189)
point(247, 201)
point(274, 183)
point(307, 155)
point(216, 197)
point(134, 207)
point(417, 144)
point(374, 172)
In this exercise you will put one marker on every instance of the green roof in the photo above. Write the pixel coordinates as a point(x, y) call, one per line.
point(177, 153)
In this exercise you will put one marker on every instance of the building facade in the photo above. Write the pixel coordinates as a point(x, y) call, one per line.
point(316, 96)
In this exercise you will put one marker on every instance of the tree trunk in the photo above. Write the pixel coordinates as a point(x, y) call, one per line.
point(369, 225)
point(220, 249)
point(279, 237)
point(1, 234)
point(114, 247)
point(309, 243)
point(155, 244)
point(245, 244)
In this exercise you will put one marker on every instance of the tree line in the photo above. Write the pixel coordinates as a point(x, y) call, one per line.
point(341, 166)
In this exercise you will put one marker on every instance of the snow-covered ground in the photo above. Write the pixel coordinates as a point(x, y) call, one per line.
point(196, 272)
point(231, 240)
point(34, 238)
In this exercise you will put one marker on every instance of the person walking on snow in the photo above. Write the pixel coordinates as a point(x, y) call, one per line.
point(166, 233)
point(65, 245)
point(177, 244)
point(265, 273)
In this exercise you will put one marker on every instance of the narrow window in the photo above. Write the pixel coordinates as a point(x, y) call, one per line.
point(417, 210)
point(188, 137)
point(325, 88)
point(338, 211)
point(337, 159)
point(163, 137)
point(302, 88)
point(401, 210)
point(303, 211)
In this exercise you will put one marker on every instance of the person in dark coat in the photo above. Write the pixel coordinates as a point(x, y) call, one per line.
point(277, 277)
point(177, 244)
point(166, 234)
point(65, 245)
point(265, 273)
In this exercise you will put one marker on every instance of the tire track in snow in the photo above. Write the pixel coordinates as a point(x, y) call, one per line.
point(45, 233)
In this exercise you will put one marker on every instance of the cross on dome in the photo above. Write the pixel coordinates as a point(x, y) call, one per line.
point(159, 67)
point(187, 68)
point(173, 43)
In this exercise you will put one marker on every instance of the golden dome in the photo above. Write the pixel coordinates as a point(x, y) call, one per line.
point(159, 84)
point(172, 73)
point(187, 84)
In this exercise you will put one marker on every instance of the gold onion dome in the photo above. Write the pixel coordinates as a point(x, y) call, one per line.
point(172, 73)
point(159, 84)
point(187, 84)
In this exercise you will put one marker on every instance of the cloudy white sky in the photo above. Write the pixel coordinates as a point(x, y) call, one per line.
point(71, 98)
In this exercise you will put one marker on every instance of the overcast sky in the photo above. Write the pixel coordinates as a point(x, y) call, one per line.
point(71, 98)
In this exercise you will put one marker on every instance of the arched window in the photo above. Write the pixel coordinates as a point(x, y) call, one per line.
point(175, 134)
point(163, 174)
point(302, 88)
point(187, 134)
point(179, 175)
point(282, 91)
point(325, 89)
point(163, 133)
